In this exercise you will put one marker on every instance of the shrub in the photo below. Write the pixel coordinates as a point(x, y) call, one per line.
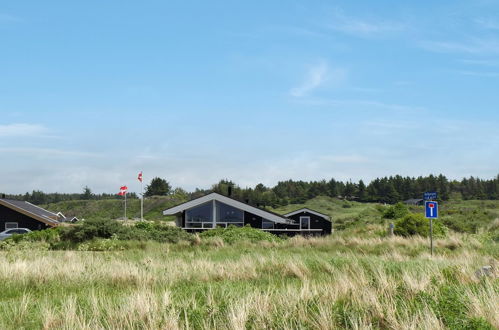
point(417, 224)
point(396, 211)
point(144, 231)
point(235, 234)
point(90, 229)
point(51, 235)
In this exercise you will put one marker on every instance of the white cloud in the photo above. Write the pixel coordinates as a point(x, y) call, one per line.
point(479, 74)
point(363, 28)
point(6, 18)
point(488, 23)
point(317, 76)
point(22, 129)
point(47, 152)
point(480, 62)
point(472, 46)
point(363, 105)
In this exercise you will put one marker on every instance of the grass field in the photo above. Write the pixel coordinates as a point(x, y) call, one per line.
point(319, 283)
point(358, 278)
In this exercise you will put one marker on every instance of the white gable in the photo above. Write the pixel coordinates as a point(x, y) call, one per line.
point(309, 211)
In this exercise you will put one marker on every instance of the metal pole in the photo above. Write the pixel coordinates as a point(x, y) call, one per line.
point(142, 200)
point(125, 205)
point(431, 235)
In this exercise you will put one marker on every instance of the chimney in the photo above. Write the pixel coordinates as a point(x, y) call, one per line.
point(229, 191)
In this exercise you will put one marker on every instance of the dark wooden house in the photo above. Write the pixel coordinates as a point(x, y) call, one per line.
point(215, 210)
point(21, 214)
point(310, 219)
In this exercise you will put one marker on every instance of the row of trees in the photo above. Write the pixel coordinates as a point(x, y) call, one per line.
point(385, 190)
point(158, 186)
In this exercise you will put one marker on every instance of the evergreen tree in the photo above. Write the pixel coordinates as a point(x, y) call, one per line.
point(157, 187)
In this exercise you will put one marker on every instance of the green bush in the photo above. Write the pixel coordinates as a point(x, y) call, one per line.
point(396, 211)
point(90, 229)
point(51, 235)
point(417, 224)
point(144, 231)
point(233, 234)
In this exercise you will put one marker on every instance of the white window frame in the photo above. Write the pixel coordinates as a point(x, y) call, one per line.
point(305, 217)
point(11, 223)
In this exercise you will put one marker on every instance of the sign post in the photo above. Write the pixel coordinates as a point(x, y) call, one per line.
point(431, 212)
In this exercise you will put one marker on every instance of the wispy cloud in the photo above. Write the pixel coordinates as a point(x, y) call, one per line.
point(471, 46)
point(48, 152)
point(480, 62)
point(364, 105)
point(488, 23)
point(479, 74)
point(22, 129)
point(317, 76)
point(6, 18)
point(362, 27)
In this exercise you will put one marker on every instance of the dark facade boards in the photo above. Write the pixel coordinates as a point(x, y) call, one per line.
point(19, 214)
point(215, 210)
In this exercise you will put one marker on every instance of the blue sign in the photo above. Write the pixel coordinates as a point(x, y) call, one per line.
point(430, 196)
point(431, 209)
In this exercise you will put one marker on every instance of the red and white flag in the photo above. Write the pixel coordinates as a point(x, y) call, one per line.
point(123, 190)
point(140, 176)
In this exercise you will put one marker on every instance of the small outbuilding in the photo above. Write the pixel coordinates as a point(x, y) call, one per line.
point(310, 219)
point(21, 214)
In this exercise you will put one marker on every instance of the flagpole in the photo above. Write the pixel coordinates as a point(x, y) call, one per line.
point(142, 199)
point(125, 205)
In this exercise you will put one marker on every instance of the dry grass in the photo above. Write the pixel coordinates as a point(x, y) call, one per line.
point(317, 283)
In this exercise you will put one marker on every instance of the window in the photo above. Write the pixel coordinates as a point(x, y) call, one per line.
point(267, 224)
point(229, 214)
point(195, 217)
point(304, 222)
point(10, 225)
point(18, 231)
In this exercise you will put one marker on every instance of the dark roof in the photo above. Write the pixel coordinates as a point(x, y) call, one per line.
point(31, 210)
point(413, 200)
point(306, 209)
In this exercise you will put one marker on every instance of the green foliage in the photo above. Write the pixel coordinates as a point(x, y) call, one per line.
point(234, 234)
point(158, 187)
point(145, 231)
point(106, 229)
point(417, 224)
point(87, 193)
point(396, 211)
point(51, 235)
point(90, 229)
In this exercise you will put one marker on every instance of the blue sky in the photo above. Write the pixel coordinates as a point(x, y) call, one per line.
point(92, 92)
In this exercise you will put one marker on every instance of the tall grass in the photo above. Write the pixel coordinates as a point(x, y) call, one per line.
point(315, 283)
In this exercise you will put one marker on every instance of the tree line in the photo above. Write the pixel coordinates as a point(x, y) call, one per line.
point(383, 190)
point(390, 190)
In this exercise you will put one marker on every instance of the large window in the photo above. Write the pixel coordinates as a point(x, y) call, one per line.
point(200, 216)
point(228, 215)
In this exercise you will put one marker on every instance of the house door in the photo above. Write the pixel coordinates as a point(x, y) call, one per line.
point(304, 222)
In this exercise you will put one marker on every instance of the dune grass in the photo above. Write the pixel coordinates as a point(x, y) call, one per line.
point(343, 281)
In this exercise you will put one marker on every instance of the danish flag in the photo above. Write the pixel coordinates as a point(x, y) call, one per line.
point(140, 176)
point(123, 190)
